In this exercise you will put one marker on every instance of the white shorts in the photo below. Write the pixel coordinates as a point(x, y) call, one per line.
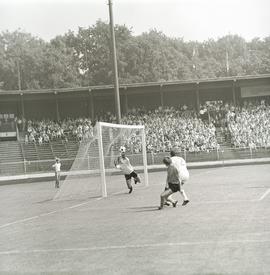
point(184, 175)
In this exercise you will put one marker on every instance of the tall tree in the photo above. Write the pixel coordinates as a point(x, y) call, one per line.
point(84, 58)
point(59, 65)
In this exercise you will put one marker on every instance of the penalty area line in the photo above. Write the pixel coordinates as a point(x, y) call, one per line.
point(50, 213)
point(19, 221)
point(44, 214)
point(264, 195)
point(98, 199)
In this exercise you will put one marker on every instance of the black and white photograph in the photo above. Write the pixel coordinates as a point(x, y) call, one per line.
point(135, 137)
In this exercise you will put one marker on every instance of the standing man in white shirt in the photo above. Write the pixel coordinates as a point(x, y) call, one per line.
point(180, 164)
point(57, 170)
point(123, 163)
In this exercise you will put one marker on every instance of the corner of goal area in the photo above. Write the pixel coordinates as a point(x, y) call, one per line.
point(79, 186)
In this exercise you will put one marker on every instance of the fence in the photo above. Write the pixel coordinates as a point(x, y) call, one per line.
point(40, 166)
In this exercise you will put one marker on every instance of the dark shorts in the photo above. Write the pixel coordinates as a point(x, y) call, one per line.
point(174, 187)
point(131, 175)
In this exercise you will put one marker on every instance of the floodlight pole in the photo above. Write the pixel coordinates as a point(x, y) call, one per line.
point(116, 84)
point(19, 74)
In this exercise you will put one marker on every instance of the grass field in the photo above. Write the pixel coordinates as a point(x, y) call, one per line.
point(225, 229)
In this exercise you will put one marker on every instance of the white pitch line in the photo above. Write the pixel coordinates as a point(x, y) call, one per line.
point(47, 214)
point(117, 193)
point(221, 201)
point(43, 214)
point(78, 205)
point(19, 221)
point(84, 203)
point(264, 195)
point(258, 233)
point(131, 246)
point(98, 199)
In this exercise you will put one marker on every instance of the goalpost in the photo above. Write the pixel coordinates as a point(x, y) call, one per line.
point(91, 173)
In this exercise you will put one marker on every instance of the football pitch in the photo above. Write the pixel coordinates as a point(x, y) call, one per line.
point(225, 229)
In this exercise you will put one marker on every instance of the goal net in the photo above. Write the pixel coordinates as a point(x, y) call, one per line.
point(93, 173)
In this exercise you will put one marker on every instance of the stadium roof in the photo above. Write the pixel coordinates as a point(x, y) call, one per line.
point(137, 85)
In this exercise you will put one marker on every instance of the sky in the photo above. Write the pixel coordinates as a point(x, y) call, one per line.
point(192, 20)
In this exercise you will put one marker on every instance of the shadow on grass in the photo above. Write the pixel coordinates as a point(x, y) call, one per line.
point(44, 201)
point(124, 193)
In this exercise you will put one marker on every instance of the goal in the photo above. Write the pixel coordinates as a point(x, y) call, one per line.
point(92, 172)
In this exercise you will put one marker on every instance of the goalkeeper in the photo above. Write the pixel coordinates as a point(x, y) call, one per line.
point(123, 163)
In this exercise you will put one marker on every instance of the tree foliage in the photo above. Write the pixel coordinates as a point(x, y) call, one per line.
point(84, 58)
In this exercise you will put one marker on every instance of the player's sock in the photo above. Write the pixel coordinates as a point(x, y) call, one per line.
point(184, 195)
point(185, 202)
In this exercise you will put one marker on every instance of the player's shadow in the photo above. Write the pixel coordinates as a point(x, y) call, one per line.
point(44, 201)
point(144, 208)
point(120, 194)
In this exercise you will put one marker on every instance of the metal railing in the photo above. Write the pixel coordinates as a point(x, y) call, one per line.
point(92, 163)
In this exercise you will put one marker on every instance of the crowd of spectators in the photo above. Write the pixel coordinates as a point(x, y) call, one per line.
point(216, 113)
point(246, 126)
point(45, 131)
point(167, 127)
point(249, 125)
point(174, 127)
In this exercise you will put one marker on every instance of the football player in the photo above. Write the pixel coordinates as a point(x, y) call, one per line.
point(123, 163)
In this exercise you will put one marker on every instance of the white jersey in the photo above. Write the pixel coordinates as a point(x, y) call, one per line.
point(181, 166)
point(57, 167)
point(124, 165)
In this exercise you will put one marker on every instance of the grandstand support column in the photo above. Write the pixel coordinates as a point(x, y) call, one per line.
point(57, 106)
point(197, 96)
point(91, 104)
point(161, 96)
point(233, 92)
point(19, 75)
point(126, 103)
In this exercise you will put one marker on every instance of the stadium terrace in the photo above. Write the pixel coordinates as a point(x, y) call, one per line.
point(208, 120)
